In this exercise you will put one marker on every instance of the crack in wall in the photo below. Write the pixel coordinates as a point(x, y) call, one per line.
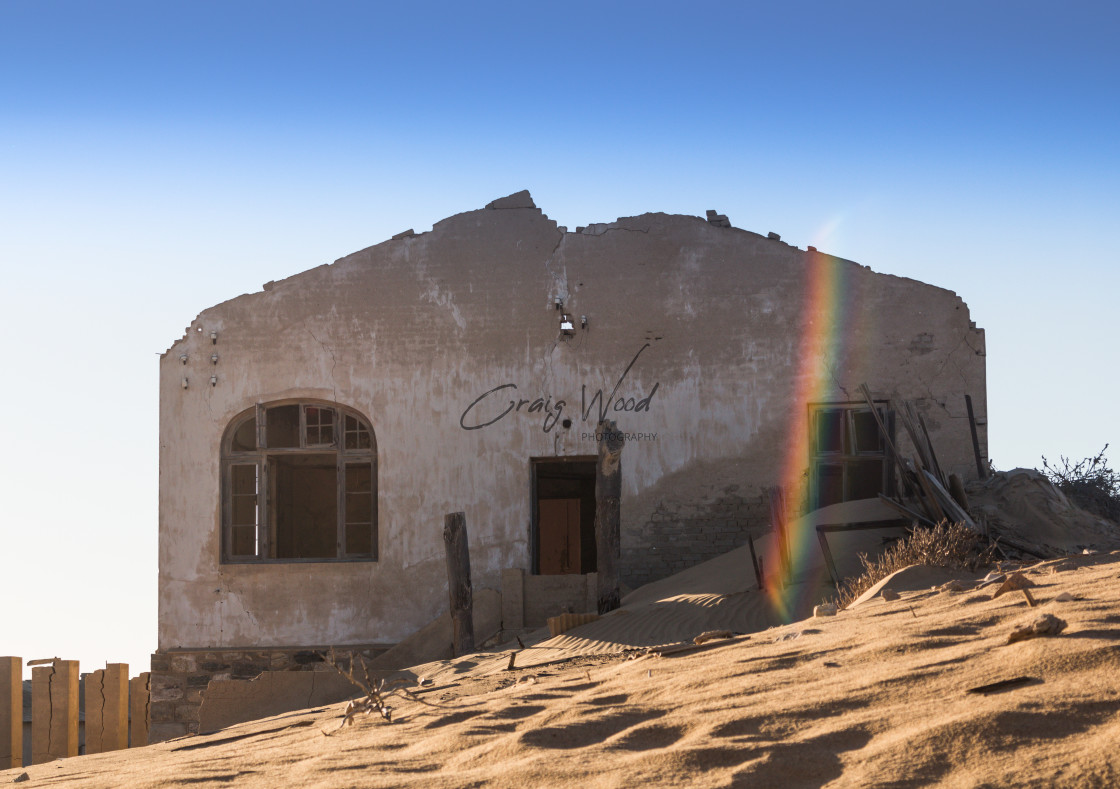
point(949, 359)
point(50, 709)
point(101, 736)
point(334, 364)
point(148, 706)
point(836, 381)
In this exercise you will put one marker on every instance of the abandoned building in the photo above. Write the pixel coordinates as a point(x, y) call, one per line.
point(313, 435)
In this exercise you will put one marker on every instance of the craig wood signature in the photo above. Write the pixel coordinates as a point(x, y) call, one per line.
point(479, 414)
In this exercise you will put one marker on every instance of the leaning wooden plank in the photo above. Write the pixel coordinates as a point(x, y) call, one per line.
point(1021, 547)
point(906, 511)
point(828, 556)
point(895, 456)
point(952, 509)
point(755, 561)
point(778, 518)
point(980, 471)
point(932, 454)
point(923, 498)
point(935, 505)
point(906, 416)
point(847, 527)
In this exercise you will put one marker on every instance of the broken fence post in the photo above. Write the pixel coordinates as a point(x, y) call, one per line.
point(106, 725)
point(94, 701)
point(115, 714)
point(11, 712)
point(140, 709)
point(54, 711)
point(459, 582)
point(608, 497)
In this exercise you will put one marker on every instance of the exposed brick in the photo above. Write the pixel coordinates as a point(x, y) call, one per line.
point(248, 670)
point(165, 694)
point(159, 732)
point(184, 664)
point(162, 712)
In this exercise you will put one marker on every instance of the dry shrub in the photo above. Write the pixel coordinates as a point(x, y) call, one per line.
point(1090, 484)
point(951, 545)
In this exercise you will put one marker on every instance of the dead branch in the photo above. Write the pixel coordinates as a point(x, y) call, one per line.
point(376, 694)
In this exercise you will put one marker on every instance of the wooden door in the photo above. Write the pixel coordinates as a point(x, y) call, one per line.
point(558, 520)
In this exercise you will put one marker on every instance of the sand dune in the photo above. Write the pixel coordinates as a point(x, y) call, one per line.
point(876, 696)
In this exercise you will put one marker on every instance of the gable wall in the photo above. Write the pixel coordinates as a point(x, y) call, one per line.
point(412, 331)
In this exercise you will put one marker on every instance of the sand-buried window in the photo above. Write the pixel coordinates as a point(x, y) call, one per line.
point(849, 453)
point(299, 483)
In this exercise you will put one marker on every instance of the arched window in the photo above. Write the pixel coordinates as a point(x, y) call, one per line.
point(299, 483)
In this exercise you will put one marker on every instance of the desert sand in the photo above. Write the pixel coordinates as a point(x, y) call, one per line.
point(881, 694)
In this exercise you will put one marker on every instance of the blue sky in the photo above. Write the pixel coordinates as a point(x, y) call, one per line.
point(157, 158)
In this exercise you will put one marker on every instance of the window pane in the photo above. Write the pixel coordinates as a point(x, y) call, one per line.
point(359, 477)
point(245, 437)
point(244, 510)
point(830, 484)
point(282, 426)
point(304, 506)
point(357, 434)
point(865, 479)
point(244, 541)
point(359, 508)
point(830, 431)
point(244, 479)
point(359, 539)
point(866, 432)
point(320, 425)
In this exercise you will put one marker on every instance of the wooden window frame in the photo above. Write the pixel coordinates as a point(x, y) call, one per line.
point(261, 456)
point(848, 454)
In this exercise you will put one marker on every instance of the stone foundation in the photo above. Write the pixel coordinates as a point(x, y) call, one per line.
point(179, 678)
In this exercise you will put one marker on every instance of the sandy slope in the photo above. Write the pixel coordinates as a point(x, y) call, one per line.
point(877, 696)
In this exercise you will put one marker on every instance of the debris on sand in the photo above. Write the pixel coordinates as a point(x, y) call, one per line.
point(1044, 625)
point(1016, 582)
point(712, 635)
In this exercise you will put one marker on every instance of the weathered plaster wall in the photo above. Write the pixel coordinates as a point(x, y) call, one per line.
point(412, 331)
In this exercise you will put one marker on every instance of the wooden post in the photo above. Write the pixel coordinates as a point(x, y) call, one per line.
point(114, 713)
point(139, 705)
point(95, 710)
point(608, 511)
point(756, 562)
point(11, 712)
point(54, 711)
point(459, 582)
point(106, 695)
point(778, 517)
point(980, 470)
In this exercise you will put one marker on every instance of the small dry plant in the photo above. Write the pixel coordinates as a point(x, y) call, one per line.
point(951, 545)
point(376, 692)
point(1090, 484)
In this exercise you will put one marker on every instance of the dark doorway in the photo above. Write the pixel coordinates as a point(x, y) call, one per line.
point(563, 538)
